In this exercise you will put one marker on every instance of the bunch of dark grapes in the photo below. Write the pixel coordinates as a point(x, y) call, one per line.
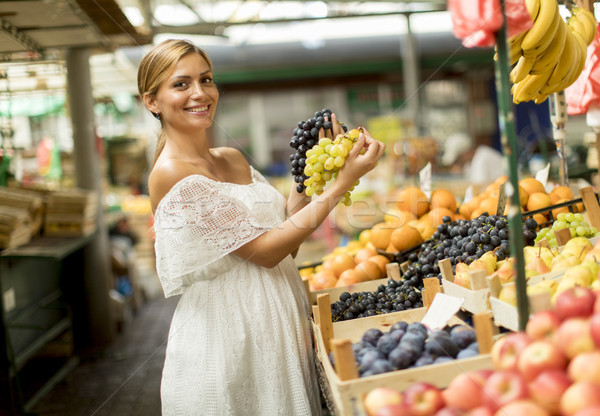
point(305, 136)
point(393, 297)
point(464, 241)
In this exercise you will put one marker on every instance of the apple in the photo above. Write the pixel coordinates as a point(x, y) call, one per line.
point(575, 301)
point(392, 410)
point(505, 351)
point(522, 408)
point(465, 390)
point(580, 395)
point(574, 337)
point(542, 325)
point(448, 411)
point(547, 388)
point(503, 387)
point(585, 367)
point(379, 397)
point(590, 411)
point(539, 356)
point(595, 327)
point(481, 411)
point(423, 399)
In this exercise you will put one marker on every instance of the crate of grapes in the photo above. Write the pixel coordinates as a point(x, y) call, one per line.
point(394, 350)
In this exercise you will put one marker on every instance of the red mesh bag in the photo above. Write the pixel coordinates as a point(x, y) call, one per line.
point(476, 23)
point(585, 91)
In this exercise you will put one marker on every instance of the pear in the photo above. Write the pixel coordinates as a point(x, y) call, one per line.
point(506, 272)
point(461, 268)
point(579, 274)
point(462, 279)
point(549, 284)
point(538, 288)
point(592, 266)
point(535, 267)
point(564, 261)
point(489, 259)
point(593, 254)
point(579, 246)
point(508, 293)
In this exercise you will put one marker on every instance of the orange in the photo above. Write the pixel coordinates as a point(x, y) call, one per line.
point(557, 211)
point(364, 254)
point(398, 217)
point(381, 233)
point(412, 199)
point(381, 262)
point(347, 278)
point(465, 210)
point(342, 262)
point(443, 198)
point(538, 200)
point(322, 280)
point(561, 192)
point(490, 205)
point(532, 185)
point(523, 196)
point(541, 218)
point(406, 237)
point(437, 214)
point(367, 270)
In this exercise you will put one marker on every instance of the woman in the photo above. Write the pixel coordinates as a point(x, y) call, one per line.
point(240, 341)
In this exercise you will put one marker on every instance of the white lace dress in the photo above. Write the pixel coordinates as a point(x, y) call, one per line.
point(240, 341)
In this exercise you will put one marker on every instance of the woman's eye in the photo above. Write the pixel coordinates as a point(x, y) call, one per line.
point(207, 80)
point(180, 84)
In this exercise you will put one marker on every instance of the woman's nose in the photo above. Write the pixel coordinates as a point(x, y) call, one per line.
point(197, 88)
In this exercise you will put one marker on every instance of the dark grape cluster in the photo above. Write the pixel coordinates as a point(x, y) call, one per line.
point(393, 297)
point(408, 345)
point(463, 241)
point(305, 136)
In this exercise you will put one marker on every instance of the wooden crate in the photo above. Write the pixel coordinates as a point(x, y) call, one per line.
point(31, 201)
point(15, 229)
point(347, 395)
point(393, 272)
point(345, 392)
point(71, 213)
point(476, 298)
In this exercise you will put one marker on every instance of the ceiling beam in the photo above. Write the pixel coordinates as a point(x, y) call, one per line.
point(20, 37)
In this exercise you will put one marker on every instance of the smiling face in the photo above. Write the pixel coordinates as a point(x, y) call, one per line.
point(187, 97)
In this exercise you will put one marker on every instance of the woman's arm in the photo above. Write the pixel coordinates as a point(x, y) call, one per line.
point(273, 246)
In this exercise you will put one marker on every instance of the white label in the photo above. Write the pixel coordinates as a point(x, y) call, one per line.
point(425, 179)
point(441, 310)
point(542, 174)
point(9, 300)
point(468, 194)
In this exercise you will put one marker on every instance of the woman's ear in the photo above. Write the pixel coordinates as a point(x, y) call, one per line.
point(150, 103)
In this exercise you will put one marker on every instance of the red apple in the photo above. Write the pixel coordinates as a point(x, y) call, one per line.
point(481, 411)
point(448, 411)
point(505, 351)
point(379, 397)
point(392, 410)
point(503, 387)
point(595, 327)
point(585, 367)
point(465, 389)
point(590, 411)
point(579, 396)
point(577, 301)
point(539, 356)
point(574, 337)
point(542, 325)
point(547, 388)
point(423, 399)
point(522, 408)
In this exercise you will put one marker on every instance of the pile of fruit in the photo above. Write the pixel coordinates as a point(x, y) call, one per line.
point(551, 55)
point(551, 368)
point(408, 345)
point(574, 222)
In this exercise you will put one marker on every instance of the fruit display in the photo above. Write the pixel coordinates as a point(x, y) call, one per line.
point(551, 368)
point(551, 55)
point(408, 345)
point(574, 222)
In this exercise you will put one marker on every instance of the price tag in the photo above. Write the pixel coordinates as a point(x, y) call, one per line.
point(542, 174)
point(468, 194)
point(441, 310)
point(501, 200)
point(425, 180)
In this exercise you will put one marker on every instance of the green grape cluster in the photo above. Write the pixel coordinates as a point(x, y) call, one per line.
point(324, 160)
point(574, 222)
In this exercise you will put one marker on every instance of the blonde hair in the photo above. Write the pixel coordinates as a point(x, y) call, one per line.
point(157, 64)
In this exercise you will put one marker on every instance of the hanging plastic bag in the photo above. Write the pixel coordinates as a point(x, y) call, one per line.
point(476, 23)
point(585, 91)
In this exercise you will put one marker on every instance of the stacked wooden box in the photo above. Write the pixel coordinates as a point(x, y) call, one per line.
point(71, 213)
point(21, 216)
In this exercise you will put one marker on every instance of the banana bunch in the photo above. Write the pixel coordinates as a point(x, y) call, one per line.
point(550, 56)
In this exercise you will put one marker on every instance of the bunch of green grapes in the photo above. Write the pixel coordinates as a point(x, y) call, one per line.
point(574, 222)
point(324, 160)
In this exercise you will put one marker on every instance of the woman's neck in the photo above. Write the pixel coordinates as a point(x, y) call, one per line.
point(188, 146)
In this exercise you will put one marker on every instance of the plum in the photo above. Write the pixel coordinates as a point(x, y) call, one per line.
point(442, 359)
point(417, 327)
point(381, 366)
point(463, 336)
point(369, 357)
point(401, 358)
point(466, 353)
point(386, 343)
point(424, 359)
point(399, 325)
point(372, 335)
point(413, 338)
point(397, 334)
point(440, 344)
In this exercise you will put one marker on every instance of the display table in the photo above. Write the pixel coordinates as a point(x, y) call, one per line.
point(42, 293)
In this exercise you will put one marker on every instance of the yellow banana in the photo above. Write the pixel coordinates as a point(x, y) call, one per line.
point(578, 26)
point(531, 86)
point(578, 64)
point(533, 7)
point(539, 37)
point(564, 64)
point(540, 98)
point(521, 69)
point(515, 48)
point(588, 21)
point(547, 60)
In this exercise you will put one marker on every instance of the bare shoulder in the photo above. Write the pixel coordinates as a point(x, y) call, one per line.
point(233, 156)
point(165, 175)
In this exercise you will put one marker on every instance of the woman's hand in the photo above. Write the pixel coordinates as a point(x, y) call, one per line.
point(357, 164)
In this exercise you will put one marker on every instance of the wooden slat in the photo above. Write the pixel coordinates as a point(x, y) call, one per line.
point(343, 358)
